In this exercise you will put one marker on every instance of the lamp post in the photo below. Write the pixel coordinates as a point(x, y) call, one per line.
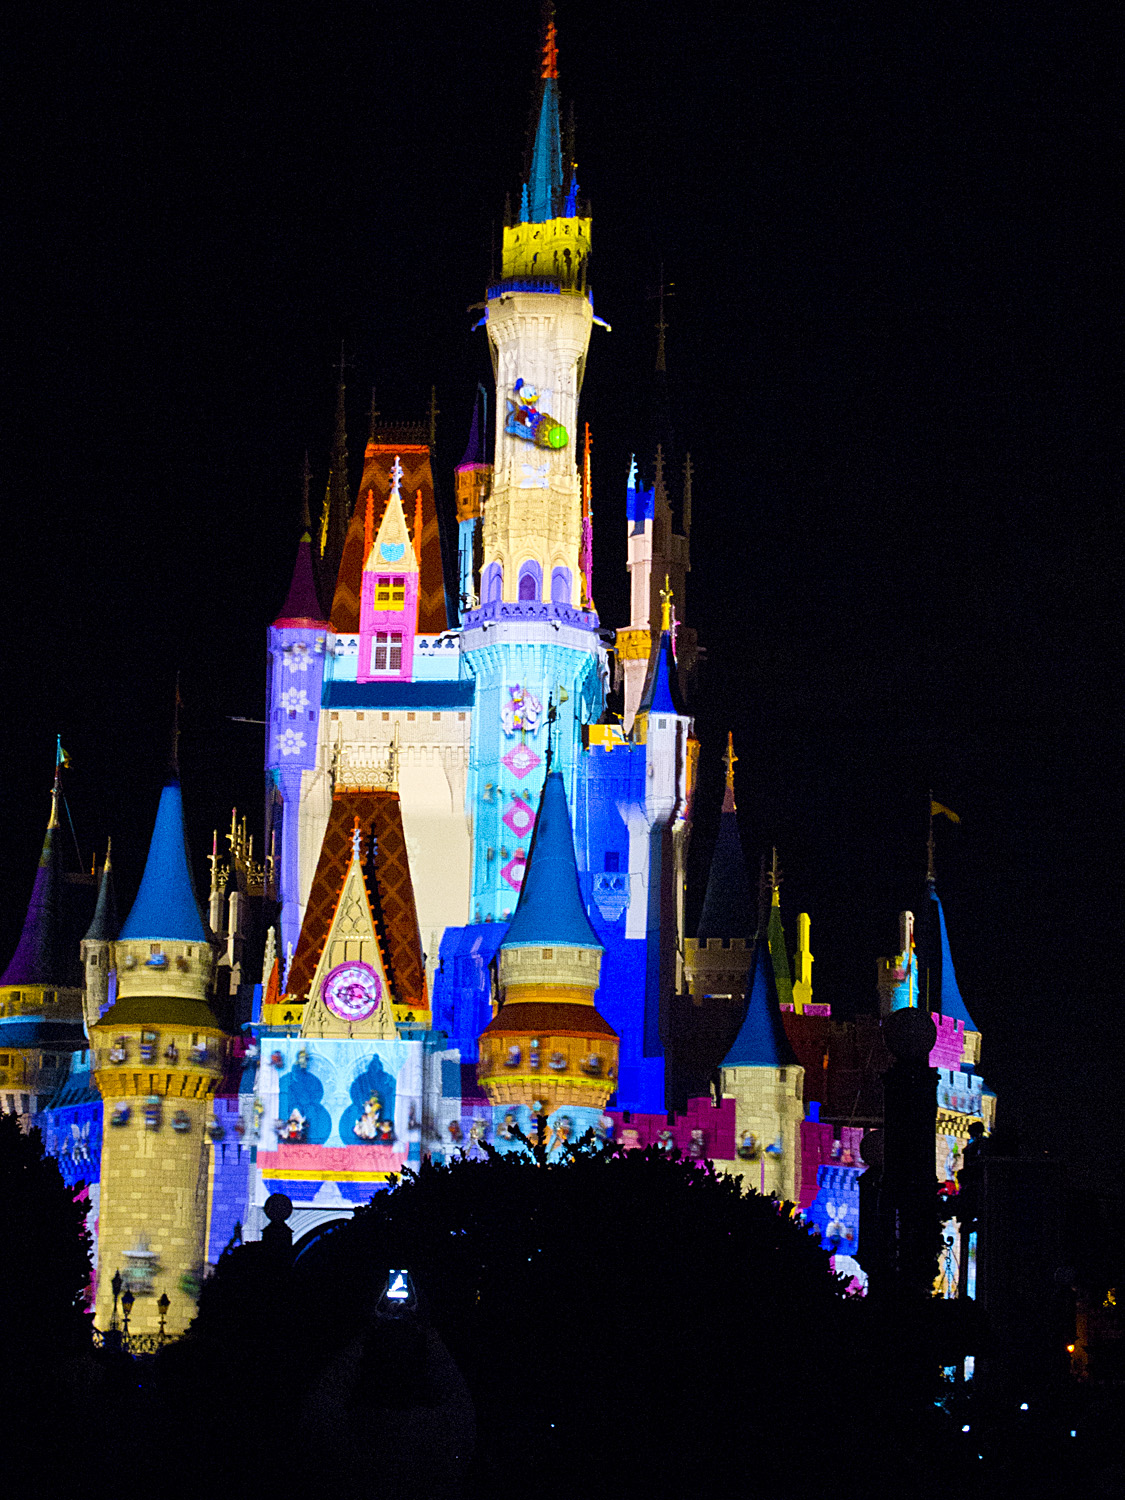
point(162, 1308)
point(115, 1286)
point(126, 1308)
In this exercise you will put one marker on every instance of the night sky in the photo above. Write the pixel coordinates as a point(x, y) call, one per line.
point(889, 342)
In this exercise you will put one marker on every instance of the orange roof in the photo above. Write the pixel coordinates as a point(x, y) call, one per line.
point(416, 475)
point(392, 901)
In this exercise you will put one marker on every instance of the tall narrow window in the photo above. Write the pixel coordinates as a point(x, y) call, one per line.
point(530, 581)
point(560, 586)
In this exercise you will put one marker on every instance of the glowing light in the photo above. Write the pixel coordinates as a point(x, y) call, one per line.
point(1023, 1406)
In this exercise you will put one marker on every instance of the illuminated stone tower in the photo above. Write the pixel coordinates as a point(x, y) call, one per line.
point(547, 1052)
point(531, 644)
point(762, 1075)
point(158, 1056)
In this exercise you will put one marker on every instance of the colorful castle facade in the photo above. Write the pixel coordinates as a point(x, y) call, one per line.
point(468, 925)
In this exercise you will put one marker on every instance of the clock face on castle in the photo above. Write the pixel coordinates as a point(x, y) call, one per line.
point(352, 991)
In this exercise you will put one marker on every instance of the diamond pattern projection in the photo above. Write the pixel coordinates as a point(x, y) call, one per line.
point(512, 872)
point(521, 760)
point(519, 818)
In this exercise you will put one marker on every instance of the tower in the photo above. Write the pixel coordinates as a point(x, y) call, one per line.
point(158, 1056)
point(295, 677)
point(388, 611)
point(547, 1053)
point(41, 989)
point(717, 960)
point(97, 949)
point(472, 480)
point(531, 643)
point(762, 1075)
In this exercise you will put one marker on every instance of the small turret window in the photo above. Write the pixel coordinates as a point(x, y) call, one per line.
point(492, 585)
point(390, 593)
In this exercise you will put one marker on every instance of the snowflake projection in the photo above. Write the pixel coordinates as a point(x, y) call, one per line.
point(296, 657)
point(512, 872)
point(519, 817)
point(291, 742)
point(294, 698)
point(521, 760)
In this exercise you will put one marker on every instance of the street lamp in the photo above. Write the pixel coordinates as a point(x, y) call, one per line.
point(115, 1284)
point(127, 1307)
point(162, 1308)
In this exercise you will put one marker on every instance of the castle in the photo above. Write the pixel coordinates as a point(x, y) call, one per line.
point(468, 920)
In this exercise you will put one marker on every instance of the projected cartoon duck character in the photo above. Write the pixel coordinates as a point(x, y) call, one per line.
point(526, 421)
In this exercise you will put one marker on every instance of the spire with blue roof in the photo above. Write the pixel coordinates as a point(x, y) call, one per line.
point(547, 1049)
point(545, 180)
point(761, 1041)
point(550, 908)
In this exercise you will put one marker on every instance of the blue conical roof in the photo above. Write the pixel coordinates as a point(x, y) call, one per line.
point(166, 907)
point(103, 928)
point(545, 181)
point(761, 1040)
point(728, 906)
point(551, 912)
point(945, 996)
point(662, 691)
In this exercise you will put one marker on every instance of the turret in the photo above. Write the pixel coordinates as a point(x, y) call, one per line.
point(297, 640)
point(532, 644)
point(539, 316)
point(97, 949)
point(473, 481)
point(40, 990)
point(388, 615)
point(158, 1056)
point(762, 1075)
point(547, 1053)
point(717, 960)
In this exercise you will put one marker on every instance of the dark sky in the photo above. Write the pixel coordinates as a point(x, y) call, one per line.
point(889, 350)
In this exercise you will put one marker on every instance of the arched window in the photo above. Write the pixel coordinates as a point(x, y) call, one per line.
point(492, 588)
point(560, 586)
point(531, 581)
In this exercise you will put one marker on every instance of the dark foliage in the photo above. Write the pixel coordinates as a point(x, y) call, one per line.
point(44, 1250)
point(627, 1325)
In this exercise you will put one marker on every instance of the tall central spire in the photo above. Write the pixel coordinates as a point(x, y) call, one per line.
point(545, 181)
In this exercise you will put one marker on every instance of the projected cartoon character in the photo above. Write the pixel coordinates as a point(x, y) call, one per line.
point(292, 1131)
point(526, 421)
point(367, 1126)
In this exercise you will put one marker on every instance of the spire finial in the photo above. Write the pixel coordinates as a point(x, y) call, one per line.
point(306, 477)
point(729, 760)
point(396, 478)
point(550, 67)
point(663, 289)
point(174, 764)
point(688, 471)
point(435, 413)
point(666, 605)
point(930, 877)
point(374, 417)
point(357, 836)
point(775, 881)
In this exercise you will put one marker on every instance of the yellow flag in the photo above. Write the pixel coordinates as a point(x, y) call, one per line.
point(936, 808)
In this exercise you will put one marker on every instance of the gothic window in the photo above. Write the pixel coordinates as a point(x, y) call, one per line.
point(386, 651)
point(492, 587)
point(560, 586)
point(530, 581)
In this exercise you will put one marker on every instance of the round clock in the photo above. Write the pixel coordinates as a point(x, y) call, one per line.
point(352, 991)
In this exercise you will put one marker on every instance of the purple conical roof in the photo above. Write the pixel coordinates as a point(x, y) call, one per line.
point(39, 958)
point(302, 607)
